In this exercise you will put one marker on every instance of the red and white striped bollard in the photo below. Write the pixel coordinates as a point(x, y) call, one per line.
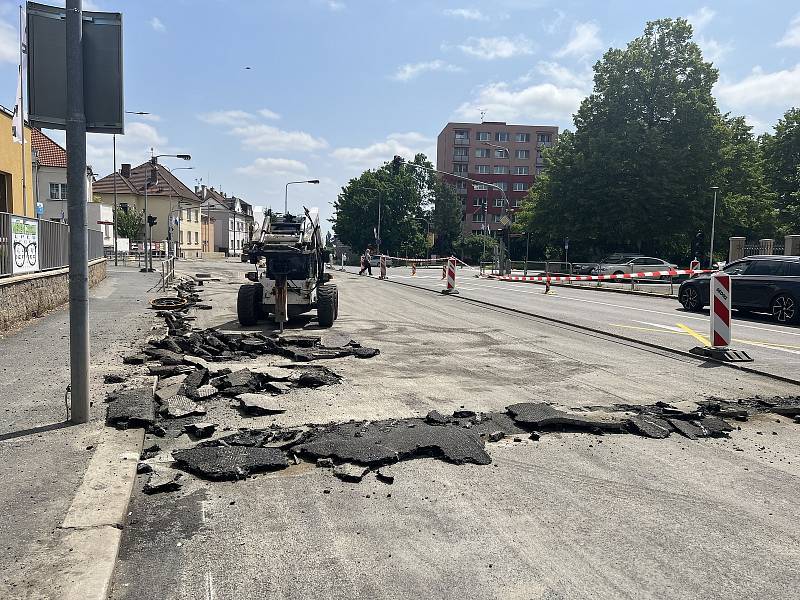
point(451, 277)
point(720, 310)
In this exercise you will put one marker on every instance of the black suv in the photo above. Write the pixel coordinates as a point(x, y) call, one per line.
point(760, 284)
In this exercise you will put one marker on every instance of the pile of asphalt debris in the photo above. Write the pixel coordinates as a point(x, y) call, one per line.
point(355, 448)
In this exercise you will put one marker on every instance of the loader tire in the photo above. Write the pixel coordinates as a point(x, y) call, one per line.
point(248, 304)
point(326, 305)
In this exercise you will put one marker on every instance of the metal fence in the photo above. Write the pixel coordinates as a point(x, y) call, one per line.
point(751, 249)
point(51, 243)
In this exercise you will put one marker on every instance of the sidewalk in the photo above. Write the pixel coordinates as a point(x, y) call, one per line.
point(43, 458)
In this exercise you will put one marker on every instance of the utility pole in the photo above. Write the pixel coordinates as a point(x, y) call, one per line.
point(76, 205)
point(114, 142)
point(713, 223)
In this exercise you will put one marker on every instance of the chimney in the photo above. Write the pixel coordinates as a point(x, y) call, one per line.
point(125, 170)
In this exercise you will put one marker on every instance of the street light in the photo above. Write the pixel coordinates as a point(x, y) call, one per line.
point(286, 192)
point(169, 218)
point(148, 230)
point(505, 207)
point(114, 142)
point(713, 223)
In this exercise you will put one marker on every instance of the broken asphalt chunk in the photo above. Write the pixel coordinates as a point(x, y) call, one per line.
point(161, 481)
point(180, 406)
point(131, 408)
point(687, 429)
point(113, 378)
point(714, 426)
point(650, 426)
point(259, 404)
point(385, 474)
point(200, 430)
point(135, 359)
point(350, 472)
point(229, 462)
point(436, 418)
point(317, 377)
point(539, 415)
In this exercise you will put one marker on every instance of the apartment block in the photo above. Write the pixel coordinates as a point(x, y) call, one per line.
point(506, 155)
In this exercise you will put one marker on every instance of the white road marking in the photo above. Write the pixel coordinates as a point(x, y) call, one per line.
point(209, 586)
point(667, 327)
point(647, 310)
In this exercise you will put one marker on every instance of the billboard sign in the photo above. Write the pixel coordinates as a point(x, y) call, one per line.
point(47, 69)
point(25, 244)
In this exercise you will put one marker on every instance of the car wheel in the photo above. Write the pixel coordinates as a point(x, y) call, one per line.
point(690, 299)
point(784, 309)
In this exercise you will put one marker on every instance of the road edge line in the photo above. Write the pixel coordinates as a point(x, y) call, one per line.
point(617, 336)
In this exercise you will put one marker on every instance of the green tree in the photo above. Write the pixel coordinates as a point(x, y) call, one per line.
point(130, 224)
point(446, 216)
point(471, 247)
point(782, 168)
point(403, 193)
point(636, 172)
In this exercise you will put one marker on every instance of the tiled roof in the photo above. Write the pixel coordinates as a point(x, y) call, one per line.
point(167, 184)
point(48, 152)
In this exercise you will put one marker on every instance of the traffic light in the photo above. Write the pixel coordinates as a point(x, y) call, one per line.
point(151, 220)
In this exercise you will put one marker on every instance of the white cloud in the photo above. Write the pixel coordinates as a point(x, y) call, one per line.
point(490, 48)
point(226, 117)
point(536, 103)
point(406, 145)
point(157, 25)
point(583, 42)
point(410, 71)
point(263, 167)
point(552, 26)
point(133, 147)
point(701, 18)
point(268, 114)
point(266, 138)
point(776, 89)
point(561, 75)
point(470, 14)
point(9, 43)
point(335, 5)
point(791, 39)
point(713, 50)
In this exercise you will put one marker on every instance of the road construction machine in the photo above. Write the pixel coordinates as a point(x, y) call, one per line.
point(289, 277)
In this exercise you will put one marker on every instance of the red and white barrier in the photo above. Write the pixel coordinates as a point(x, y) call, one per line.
point(620, 277)
point(383, 266)
point(720, 310)
point(451, 276)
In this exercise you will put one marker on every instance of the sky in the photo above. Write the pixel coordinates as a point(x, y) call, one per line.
point(262, 92)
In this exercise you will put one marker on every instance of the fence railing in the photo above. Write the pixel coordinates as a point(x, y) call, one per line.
point(29, 245)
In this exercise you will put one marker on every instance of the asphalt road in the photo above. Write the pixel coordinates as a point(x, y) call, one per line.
point(775, 348)
point(571, 516)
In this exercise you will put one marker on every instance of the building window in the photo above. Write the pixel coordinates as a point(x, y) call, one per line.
point(521, 170)
point(478, 217)
point(500, 170)
point(230, 223)
point(462, 136)
point(480, 186)
point(197, 216)
point(544, 138)
point(181, 238)
point(482, 169)
point(500, 154)
point(484, 136)
point(54, 189)
point(523, 153)
point(495, 218)
point(498, 202)
point(522, 138)
point(460, 152)
point(196, 237)
point(461, 185)
point(460, 169)
point(63, 191)
point(481, 153)
point(501, 136)
point(520, 186)
point(478, 201)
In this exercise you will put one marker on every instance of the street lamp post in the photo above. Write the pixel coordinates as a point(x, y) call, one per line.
point(148, 230)
point(114, 144)
point(169, 220)
point(286, 192)
point(506, 230)
point(713, 223)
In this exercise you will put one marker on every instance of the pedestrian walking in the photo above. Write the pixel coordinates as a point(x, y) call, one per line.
point(365, 263)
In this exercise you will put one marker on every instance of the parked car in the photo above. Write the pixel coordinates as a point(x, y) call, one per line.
point(633, 265)
point(587, 268)
point(758, 284)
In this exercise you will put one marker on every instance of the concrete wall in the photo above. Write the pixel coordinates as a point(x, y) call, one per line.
point(28, 296)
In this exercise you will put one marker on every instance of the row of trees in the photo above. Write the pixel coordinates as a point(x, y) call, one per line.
point(649, 144)
point(637, 173)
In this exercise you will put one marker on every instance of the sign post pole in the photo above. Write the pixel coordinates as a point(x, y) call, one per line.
point(78, 240)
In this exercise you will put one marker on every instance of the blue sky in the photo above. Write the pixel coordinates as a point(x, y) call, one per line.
point(337, 86)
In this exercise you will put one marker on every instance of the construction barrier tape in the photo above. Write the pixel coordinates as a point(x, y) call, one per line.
point(620, 277)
